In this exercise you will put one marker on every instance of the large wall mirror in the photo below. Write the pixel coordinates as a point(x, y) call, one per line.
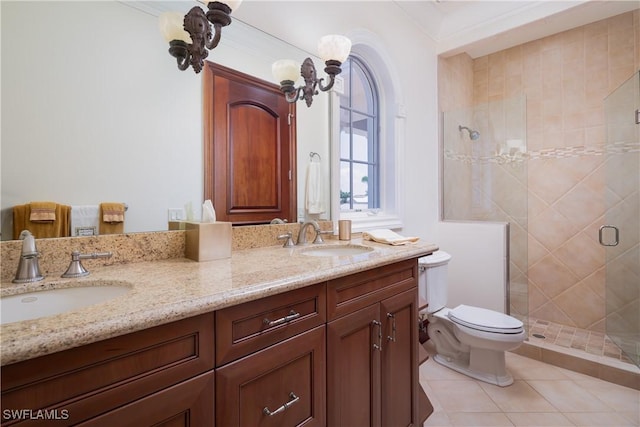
point(94, 109)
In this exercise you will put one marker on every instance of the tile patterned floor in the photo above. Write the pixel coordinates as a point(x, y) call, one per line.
point(541, 395)
point(595, 343)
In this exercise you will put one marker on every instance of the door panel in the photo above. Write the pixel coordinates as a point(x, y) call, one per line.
point(621, 231)
point(399, 360)
point(249, 144)
point(353, 366)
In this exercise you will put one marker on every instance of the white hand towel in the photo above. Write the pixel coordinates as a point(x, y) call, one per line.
point(384, 235)
point(314, 197)
point(85, 220)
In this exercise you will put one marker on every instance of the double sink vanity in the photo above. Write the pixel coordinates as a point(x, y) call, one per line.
point(316, 335)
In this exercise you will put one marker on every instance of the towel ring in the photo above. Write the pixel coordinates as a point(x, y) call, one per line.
point(314, 154)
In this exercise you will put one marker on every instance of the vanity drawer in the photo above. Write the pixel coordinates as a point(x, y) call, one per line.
point(350, 293)
point(252, 326)
point(281, 386)
point(95, 378)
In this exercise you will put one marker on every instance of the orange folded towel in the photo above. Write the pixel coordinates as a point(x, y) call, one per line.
point(112, 218)
point(112, 212)
point(42, 211)
point(60, 227)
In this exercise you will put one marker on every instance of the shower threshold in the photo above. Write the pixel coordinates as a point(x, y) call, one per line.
point(588, 352)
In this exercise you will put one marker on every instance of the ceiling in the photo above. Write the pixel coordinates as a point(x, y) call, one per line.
point(481, 27)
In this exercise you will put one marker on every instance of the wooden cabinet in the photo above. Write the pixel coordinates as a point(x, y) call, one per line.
point(276, 349)
point(252, 326)
point(187, 404)
point(340, 354)
point(372, 348)
point(81, 383)
point(280, 386)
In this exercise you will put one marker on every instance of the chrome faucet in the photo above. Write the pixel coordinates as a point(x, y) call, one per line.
point(28, 267)
point(302, 235)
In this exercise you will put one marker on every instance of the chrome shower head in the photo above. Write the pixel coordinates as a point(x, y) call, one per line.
point(473, 134)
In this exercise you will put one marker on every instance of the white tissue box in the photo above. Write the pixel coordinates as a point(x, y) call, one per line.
point(207, 241)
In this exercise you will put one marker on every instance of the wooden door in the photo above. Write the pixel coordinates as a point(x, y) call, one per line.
point(399, 371)
point(249, 148)
point(353, 369)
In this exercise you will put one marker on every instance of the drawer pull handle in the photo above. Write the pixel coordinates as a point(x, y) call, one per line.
point(392, 337)
point(292, 399)
point(379, 345)
point(292, 315)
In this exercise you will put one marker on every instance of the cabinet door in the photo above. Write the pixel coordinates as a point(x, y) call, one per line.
point(353, 366)
point(189, 403)
point(281, 386)
point(399, 371)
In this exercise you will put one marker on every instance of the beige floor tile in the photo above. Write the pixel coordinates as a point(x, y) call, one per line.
point(619, 398)
point(437, 406)
point(462, 396)
point(597, 419)
point(480, 420)
point(538, 419)
point(567, 396)
point(432, 370)
point(524, 368)
point(518, 397)
point(438, 419)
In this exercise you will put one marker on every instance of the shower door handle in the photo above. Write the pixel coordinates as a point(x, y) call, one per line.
point(616, 235)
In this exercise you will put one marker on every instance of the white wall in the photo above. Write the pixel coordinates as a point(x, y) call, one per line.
point(477, 272)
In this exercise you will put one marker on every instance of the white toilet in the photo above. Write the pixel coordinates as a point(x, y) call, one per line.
point(470, 340)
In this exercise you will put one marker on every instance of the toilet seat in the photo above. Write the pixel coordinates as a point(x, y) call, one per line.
point(485, 320)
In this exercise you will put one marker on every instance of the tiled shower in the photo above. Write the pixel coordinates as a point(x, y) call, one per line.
point(543, 162)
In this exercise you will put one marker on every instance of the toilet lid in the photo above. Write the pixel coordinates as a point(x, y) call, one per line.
point(485, 320)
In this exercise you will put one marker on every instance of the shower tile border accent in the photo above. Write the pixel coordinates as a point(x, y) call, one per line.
point(547, 153)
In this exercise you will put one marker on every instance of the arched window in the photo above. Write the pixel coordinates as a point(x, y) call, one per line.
point(368, 121)
point(359, 139)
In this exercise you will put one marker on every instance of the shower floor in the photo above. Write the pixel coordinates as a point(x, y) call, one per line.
point(594, 343)
point(588, 352)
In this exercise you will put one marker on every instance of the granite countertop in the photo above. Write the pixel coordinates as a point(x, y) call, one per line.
point(169, 290)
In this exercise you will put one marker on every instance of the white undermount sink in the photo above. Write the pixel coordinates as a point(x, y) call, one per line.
point(32, 305)
point(336, 250)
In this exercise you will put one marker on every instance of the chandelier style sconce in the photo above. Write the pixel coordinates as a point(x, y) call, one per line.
point(190, 36)
point(333, 49)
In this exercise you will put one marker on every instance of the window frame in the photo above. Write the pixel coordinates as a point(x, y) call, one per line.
point(373, 161)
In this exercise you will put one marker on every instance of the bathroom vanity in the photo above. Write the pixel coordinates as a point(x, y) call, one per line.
point(269, 337)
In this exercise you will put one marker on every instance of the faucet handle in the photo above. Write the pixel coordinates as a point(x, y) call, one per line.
point(289, 242)
point(76, 269)
point(319, 233)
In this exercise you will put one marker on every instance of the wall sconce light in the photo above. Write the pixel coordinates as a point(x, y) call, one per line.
point(190, 36)
point(333, 49)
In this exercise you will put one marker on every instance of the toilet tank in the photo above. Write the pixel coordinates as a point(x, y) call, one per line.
point(432, 282)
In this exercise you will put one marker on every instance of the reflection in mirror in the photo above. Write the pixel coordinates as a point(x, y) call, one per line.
point(115, 120)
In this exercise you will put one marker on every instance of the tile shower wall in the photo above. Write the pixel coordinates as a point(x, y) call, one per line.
point(565, 78)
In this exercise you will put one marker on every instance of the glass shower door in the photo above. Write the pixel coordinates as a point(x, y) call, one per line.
point(621, 232)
